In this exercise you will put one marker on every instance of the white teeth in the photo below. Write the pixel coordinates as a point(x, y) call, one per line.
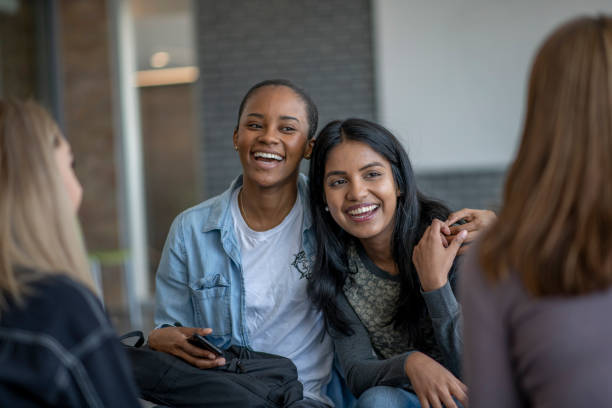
point(268, 156)
point(362, 210)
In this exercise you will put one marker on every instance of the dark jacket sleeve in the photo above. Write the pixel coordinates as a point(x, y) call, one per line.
point(361, 368)
point(445, 314)
point(99, 372)
point(106, 367)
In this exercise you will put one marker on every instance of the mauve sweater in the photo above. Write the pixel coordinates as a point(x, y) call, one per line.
point(522, 351)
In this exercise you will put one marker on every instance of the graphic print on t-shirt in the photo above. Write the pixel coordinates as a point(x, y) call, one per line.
point(302, 264)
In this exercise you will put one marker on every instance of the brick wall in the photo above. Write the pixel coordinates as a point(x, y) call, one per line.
point(171, 159)
point(87, 108)
point(18, 75)
point(324, 46)
point(87, 104)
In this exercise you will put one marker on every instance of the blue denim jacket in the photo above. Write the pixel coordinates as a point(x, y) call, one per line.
point(199, 281)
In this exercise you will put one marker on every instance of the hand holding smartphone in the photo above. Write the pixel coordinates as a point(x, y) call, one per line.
point(202, 342)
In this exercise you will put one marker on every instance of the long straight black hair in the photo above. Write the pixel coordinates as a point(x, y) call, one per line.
point(413, 215)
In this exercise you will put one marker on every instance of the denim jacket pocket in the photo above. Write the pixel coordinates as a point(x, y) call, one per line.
point(211, 303)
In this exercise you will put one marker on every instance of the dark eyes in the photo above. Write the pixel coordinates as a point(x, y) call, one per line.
point(368, 175)
point(284, 129)
point(335, 183)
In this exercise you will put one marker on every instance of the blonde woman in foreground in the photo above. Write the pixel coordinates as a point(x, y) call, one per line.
point(57, 346)
point(536, 292)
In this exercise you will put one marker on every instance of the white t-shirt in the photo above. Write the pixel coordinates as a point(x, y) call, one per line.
point(280, 317)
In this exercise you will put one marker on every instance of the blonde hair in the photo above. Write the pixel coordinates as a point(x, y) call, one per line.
point(555, 226)
point(38, 227)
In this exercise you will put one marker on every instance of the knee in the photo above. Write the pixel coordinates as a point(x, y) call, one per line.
point(381, 396)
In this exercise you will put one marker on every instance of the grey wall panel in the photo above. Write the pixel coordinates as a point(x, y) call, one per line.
point(464, 188)
point(324, 46)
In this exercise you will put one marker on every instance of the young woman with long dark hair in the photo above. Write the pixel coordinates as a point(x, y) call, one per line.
point(384, 271)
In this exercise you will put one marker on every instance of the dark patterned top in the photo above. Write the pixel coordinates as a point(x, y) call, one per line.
point(373, 294)
point(375, 353)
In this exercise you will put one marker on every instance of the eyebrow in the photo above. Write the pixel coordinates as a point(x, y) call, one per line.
point(340, 172)
point(373, 164)
point(284, 117)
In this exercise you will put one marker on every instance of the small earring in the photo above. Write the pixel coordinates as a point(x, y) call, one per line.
point(327, 208)
point(236, 147)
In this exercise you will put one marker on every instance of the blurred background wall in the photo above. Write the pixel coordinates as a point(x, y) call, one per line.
point(147, 92)
point(324, 46)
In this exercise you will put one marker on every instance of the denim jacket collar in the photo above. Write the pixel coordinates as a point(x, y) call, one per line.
point(220, 216)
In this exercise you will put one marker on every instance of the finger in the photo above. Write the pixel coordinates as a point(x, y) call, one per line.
point(466, 213)
point(444, 240)
point(459, 391)
point(470, 226)
point(423, 401)
point(193, 350)
point(462, 386)
point(447, 400)
point(444, 229)
point(428, 231)
point(196, 351)
point(434, 401)
point(471, 236)
point(202, 363)
point(454, 246)
point(204, 331)
point(469, 240)
point(434, 228)
point(190, 331)
point(463, 398)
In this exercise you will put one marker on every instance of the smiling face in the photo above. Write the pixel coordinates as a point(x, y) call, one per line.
point(360, 191)
point(272, 136)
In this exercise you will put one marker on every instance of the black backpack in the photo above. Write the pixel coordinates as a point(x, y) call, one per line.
point(249, 379)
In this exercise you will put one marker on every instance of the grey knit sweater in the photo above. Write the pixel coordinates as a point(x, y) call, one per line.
point(374, 354)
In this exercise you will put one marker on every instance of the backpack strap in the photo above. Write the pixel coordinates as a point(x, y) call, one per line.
point(135, 333)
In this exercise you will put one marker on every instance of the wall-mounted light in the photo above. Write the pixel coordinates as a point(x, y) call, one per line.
point(167, 76)
point(160, 59)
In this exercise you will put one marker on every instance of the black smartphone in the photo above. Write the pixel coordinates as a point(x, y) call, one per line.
point(202, 342)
